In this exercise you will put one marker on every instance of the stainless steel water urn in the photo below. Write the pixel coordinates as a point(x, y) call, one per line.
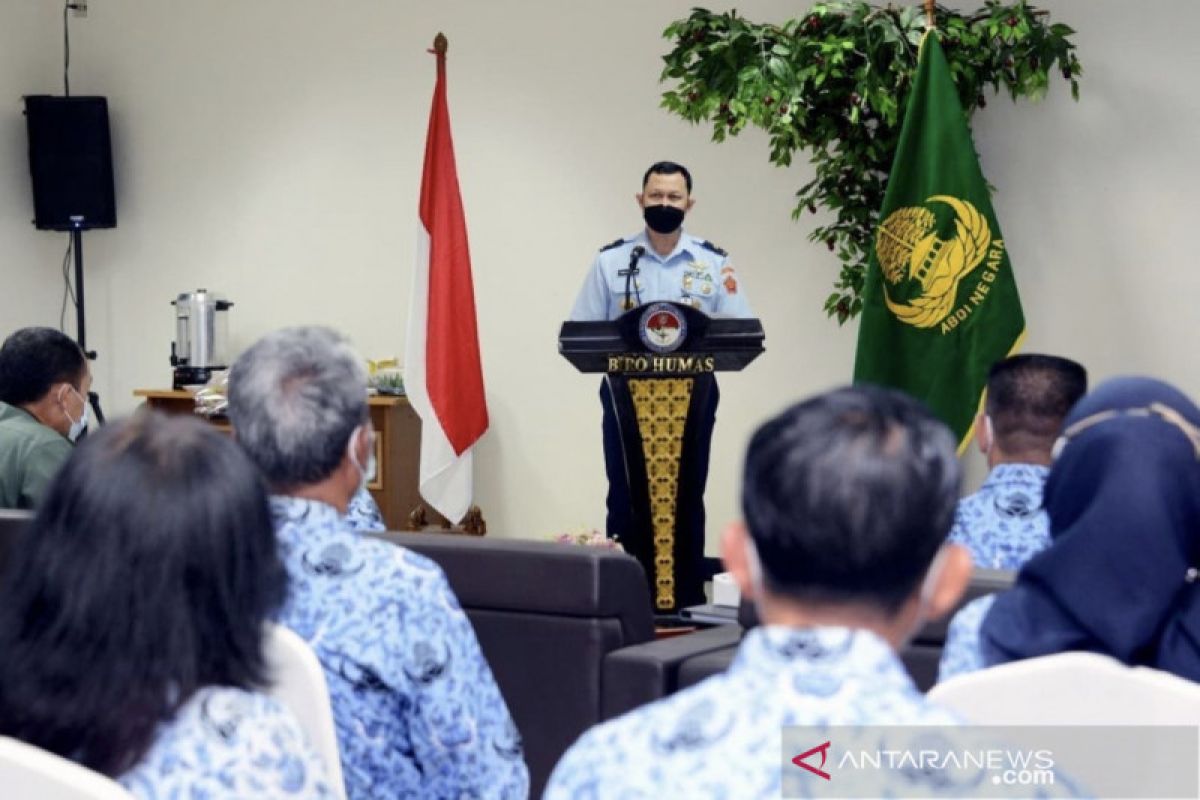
point(201, 344)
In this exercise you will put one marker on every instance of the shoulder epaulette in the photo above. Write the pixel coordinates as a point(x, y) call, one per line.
point(611, 245)
point(707, 245)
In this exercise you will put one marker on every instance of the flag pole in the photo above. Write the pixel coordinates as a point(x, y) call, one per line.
point(439, 45)
point(929, 19)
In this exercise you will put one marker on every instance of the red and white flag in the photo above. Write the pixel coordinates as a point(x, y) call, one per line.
point(442, 370)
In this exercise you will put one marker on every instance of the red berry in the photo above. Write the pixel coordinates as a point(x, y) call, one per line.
point(768, 101)
point(830, 244)
point(783, 110)
point(1012, 22)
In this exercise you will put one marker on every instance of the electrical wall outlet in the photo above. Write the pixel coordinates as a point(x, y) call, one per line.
point(78, 8)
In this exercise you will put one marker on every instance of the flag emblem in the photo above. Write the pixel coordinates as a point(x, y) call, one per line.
point(916, 258)
point(939, 303)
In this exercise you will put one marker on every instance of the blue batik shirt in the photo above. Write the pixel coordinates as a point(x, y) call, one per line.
point(1003, 524)
point(363, 513)
point(417, 710)
point(695, 273)
point(962, 653)
point(229, 744)
point(721, 738)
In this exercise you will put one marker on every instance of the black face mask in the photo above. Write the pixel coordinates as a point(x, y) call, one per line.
point(663, 219)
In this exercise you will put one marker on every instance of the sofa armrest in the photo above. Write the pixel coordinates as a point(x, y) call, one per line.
point(642, 673)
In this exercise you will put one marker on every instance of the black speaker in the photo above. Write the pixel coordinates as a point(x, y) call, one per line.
point(70, 160)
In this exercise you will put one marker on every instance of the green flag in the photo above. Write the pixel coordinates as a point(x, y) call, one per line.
point(940, 304)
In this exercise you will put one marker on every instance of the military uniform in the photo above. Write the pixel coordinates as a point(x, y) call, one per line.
point(697, 273)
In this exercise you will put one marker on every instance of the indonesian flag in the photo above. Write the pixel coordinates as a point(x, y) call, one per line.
point(443, 375)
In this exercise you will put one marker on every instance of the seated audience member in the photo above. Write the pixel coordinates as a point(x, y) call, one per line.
point(44, 381)
point(1028, 397)
point(131, 620)
point(1124, 504)
point(848, 498)
point(417, 710)
point(1004, 524)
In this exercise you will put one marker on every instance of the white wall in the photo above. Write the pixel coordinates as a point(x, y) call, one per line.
point(272, 150)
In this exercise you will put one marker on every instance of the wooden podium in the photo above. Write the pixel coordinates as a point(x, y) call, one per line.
point(659, 361)
point(397, 453)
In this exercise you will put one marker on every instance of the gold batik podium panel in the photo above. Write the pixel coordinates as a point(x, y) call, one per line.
point(662, 411)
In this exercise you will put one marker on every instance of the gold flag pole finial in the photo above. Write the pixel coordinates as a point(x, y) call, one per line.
point(930, 23)
point(439, 44)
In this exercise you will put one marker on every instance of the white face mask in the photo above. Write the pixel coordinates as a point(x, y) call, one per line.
point(365, 473)
point(78, 426)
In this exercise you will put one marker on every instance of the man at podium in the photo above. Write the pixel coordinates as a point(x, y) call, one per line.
point(661, 262)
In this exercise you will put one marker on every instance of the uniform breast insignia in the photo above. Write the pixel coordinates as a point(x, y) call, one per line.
point(611, 245)
point(729, 280)
point(687, 281)
point(707, 245)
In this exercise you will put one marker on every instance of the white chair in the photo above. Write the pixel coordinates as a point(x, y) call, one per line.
point(1083, 689)
point(1071, 689)
point(298, 682)
point(29, 773)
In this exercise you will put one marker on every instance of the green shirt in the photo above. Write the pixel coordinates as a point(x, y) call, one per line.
point(30, 455)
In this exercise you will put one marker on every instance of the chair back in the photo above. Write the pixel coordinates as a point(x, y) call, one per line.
point(1082, 689)
point(1066, 689)
point(298, 682)
point(29, 772)
point(12, 522)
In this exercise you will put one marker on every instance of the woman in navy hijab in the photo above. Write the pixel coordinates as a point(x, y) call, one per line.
point(1124, 503)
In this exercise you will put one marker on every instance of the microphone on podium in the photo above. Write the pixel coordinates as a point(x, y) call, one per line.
point(634, 255)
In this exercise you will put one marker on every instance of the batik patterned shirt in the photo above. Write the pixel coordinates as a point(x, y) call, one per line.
point(417, 710)
point(962, 653)
point(228, 744)
point(721, 738)
point(363, 514)
point(1003, 524)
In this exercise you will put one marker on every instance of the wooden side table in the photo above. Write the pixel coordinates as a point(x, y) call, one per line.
point(397, 453)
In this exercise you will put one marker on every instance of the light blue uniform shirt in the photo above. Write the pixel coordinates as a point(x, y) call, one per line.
point(417, 710)
point(228, 744)
point(1003, 524)
point(696, 273)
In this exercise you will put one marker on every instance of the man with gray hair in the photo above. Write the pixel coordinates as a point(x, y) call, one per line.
point(417, 710)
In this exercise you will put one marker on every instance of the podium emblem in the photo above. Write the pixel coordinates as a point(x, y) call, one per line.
point(662, 329)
